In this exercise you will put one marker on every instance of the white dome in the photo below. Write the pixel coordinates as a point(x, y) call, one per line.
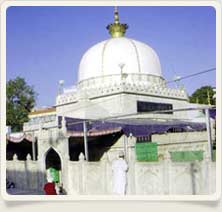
point(107, 57)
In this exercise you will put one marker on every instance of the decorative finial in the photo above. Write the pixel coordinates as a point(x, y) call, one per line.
point(116, 15)
point(15, 157)
point(81, 157)
point(117, 29)
point(28, 157)
point(61, 83)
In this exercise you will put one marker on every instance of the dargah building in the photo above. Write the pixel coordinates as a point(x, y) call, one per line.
point(121, 102)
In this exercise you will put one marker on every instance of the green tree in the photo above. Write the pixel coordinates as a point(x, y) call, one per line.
point(19, 102)
point(203, 95)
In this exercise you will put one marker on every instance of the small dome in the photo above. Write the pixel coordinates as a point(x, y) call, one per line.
point(117, 55)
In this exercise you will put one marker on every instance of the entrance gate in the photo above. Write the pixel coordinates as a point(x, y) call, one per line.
point(53, 165)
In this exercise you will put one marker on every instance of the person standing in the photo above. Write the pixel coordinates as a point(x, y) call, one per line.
point(61, 190)
point(50, 187)
point(119, 168)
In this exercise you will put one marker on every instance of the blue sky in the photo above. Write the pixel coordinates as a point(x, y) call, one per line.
point(45, 44)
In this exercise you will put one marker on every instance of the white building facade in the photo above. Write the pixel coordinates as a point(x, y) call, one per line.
point(118, 79)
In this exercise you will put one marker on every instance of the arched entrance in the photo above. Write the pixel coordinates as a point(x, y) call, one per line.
point(53, 165)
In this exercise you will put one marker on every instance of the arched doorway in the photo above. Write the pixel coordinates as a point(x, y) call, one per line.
point(53, 165)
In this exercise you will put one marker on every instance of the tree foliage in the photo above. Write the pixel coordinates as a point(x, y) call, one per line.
point(20, 100)
point(203, 95)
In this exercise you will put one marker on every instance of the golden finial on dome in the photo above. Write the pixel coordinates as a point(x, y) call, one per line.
point(117, 29)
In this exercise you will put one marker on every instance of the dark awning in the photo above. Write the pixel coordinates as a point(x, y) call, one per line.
point(212, 113)
point(136, 127)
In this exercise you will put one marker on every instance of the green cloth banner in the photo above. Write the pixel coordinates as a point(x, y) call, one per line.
point(146, 151)
point(55, 174)
point(214, 154)
point(181, 156)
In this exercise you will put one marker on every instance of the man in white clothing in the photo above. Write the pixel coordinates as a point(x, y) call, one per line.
point(119, 168)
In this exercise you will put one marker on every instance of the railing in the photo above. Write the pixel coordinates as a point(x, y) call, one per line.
point(132, 83)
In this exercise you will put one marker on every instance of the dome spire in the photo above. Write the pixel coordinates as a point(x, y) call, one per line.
point(117, 29)
point(116, 15)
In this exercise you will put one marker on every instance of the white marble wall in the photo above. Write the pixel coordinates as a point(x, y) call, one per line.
point(120, 104)
point(188, 141)
point(147, 178)
point(113, 98)
point(25, 174)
